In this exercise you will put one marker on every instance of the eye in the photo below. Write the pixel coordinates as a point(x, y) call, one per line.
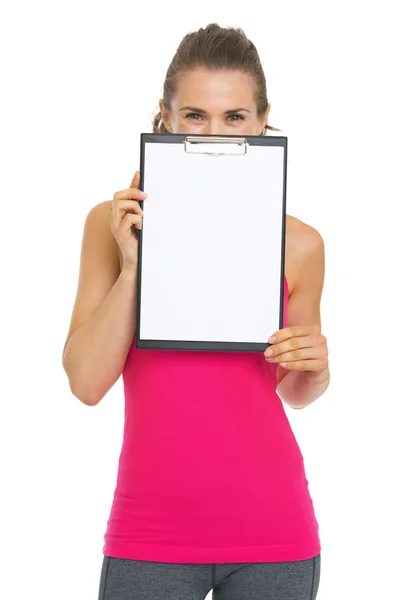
point(239, 117)
point(198, 117)
point(191, 115)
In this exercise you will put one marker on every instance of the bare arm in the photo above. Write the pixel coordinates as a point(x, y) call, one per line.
point(294, 388)
point(103, 321)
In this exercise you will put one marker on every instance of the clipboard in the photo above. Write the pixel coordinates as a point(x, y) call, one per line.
point(211, 251)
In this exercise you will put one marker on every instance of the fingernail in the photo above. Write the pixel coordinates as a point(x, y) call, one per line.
point(272, 339)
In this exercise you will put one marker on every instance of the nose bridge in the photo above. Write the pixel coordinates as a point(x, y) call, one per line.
point(214, 126)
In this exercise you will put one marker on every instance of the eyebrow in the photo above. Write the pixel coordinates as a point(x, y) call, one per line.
point(203, 112)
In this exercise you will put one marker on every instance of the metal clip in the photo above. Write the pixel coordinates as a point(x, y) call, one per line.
point(215, 145)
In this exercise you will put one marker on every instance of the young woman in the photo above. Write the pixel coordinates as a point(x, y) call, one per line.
point(211, 491)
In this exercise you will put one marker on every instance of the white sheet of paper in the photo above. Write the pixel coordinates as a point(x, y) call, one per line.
point(211, 244)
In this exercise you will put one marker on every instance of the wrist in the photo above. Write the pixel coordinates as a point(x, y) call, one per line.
point(317, 378)
point(129, 272)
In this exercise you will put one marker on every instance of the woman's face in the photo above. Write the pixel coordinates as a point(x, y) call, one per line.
point(214, 103)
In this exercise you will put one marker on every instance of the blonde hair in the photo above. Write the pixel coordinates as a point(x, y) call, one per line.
point(215, 48)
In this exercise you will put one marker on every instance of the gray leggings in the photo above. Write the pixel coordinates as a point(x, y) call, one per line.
point(123, 579)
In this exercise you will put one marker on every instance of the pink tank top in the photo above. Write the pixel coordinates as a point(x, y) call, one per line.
point(210, 470)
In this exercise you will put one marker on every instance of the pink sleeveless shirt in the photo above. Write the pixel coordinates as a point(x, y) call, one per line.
point(210, 470)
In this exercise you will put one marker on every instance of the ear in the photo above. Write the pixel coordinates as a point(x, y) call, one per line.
point(265, 117)
point(164, 114)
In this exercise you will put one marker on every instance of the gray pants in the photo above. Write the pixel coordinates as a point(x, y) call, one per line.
point(123, 579)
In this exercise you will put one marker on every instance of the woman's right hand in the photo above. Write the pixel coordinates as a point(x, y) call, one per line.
point(127, 217)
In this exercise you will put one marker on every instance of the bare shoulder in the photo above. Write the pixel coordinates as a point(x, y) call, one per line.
point(304, 247)
point(100, 214)
point(301, 236)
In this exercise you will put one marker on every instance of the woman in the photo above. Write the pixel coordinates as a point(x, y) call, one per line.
point(211, 491)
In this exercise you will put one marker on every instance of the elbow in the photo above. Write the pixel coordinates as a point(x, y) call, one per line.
point(292, 405)
point(85, 398)
point(84, 393)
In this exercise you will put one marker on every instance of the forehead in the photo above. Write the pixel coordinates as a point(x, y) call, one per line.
point(215, 90)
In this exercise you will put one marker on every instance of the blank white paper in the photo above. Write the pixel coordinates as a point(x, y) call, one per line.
point(211, 244)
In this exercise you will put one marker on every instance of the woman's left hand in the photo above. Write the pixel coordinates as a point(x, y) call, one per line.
point(299, 348)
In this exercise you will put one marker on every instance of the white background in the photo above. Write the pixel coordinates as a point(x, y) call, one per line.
point(80, 81)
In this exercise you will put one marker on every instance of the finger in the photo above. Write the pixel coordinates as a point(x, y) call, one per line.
point(131, 225)
point(136, 180)
point(131, 219)
point(126, 223)
point(125, 206)
point(130, 194)
point(301, 354)
point(291, 344)
point(122, 208)
point(304, 365)
point(296, 331)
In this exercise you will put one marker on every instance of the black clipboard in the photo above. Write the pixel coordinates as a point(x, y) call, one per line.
point(211, 252)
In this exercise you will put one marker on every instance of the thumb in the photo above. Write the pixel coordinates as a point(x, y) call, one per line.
point(136, 180)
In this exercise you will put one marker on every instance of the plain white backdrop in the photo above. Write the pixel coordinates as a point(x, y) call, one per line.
point(80, 81)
